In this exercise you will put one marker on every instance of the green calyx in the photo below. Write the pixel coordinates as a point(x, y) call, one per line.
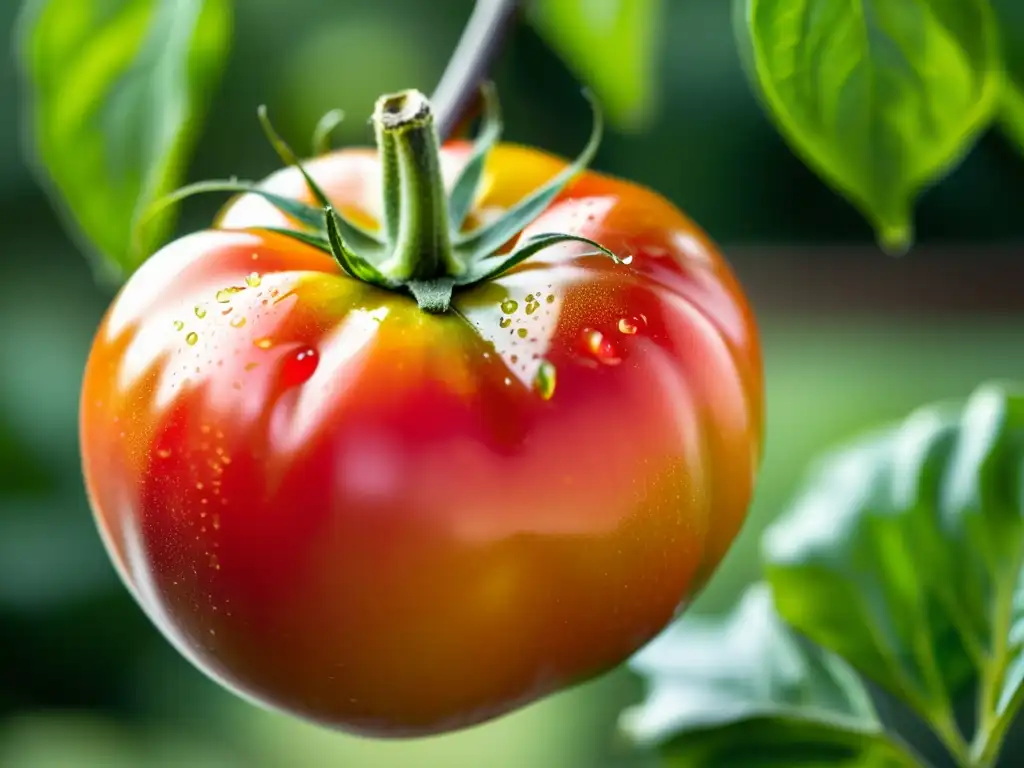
point(421, 248)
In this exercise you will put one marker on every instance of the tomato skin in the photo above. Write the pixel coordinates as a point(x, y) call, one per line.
point(397, 523)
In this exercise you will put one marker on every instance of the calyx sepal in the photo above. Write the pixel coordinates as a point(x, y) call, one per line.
point(421, 248)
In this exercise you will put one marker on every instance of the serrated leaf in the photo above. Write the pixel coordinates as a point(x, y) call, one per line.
point(1010, 14)
point(882, 98)
point(745, 689)
point(613, 46)
point(116, 91)
point(904, 555)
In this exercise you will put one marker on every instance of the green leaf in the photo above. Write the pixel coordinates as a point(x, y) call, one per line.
point(881, 97)
point(905, 555)
point(613, 46)
point(464, 191)
point(484, 241)
point(116, 92)
point(1010, 14)
point(307, 215)
point(489, 268)
point(361, 239)
point(327, 124)
point(745, 690)
point(350, 261)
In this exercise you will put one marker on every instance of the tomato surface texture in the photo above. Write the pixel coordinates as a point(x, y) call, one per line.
point(398, 523)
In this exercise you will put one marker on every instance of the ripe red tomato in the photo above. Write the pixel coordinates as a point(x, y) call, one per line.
point(396, 522)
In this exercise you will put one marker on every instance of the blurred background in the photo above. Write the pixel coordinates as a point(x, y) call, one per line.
point(852, 337)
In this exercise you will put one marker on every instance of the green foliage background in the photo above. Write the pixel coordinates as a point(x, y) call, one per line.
point(87, 682)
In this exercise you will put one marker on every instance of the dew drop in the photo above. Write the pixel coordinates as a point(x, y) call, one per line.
point(598, 345)
point(264, 343)
point(164, 453)
point(224, 294)
point(627, 326)
point(179, 325)
point(192, 338)
point(253, 280)
point(627, 259)
point(505, 322)
point(545, 380)
point(237, 322)
point(508, 306)
point(300, 367)
point(200, 312)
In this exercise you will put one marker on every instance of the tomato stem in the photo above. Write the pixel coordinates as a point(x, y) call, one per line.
point(416, 218)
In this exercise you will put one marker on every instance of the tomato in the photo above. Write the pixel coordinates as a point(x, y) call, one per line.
point(399, 522)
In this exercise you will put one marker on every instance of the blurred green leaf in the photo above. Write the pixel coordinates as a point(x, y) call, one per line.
point(904, 555)
point(20, 471)
point(612, 45)
point(744, 689)
point(116, 89)
point(880, 97)
point(63, 741)
point(50, 553)
point(1011, 22)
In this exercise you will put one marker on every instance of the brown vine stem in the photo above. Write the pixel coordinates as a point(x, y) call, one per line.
point(458, 92)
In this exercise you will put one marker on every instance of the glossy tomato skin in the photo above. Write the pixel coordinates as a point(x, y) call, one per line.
point(398, 523)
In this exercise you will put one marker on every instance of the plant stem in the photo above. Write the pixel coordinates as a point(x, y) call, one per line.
point(415, 200)
point(479, 45)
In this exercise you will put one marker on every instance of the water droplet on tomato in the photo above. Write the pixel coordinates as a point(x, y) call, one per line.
point(200, 312)
point(632, 325)
point(300, 367)
point(164, 453)
point(224, 294)
point(508, 306)
point(179, 325)
point(253, 280)
point(600, 347)
point(192, 338)
point(544, 381)
point(627, 259)
point(264, 343)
